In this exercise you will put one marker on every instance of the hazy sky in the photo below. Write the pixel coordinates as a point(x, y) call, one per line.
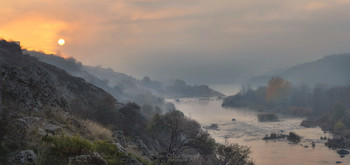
point(202, 41)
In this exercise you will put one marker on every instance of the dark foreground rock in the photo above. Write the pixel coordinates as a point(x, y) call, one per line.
point(25, 156)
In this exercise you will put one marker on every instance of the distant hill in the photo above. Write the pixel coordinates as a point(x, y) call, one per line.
point(330, 70)
point(125, 87)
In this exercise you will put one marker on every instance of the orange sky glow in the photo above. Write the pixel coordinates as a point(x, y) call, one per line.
point(125, 34)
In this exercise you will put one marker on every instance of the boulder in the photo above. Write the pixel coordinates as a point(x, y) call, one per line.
point(119, 146)
point(343, 152)
point(54, 129)
point(25, 156)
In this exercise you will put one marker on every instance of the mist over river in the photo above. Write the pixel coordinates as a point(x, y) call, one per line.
point(248, 131)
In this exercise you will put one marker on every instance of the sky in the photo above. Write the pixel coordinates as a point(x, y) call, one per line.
point(201, 41)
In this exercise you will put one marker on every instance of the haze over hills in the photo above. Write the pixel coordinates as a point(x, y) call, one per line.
point(125, 87)
point(330, 70)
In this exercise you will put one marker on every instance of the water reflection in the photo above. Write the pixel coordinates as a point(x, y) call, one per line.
point(247, 130)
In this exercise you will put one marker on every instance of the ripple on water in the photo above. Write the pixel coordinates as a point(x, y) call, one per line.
point(246, 130)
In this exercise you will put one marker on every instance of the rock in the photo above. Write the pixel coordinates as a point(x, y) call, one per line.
point(343, 152)
point(98, 159)
point(95, 158)
point(342, 156)
point(118, 134)
point(306, 146)
point(293, 137)
point(25, 156)
point(338, 162)
point(119, 146)
point(233, 119)
point(313, 144)
point(54, 129)
point(142, 147)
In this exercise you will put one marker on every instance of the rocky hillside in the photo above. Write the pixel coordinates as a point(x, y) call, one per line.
point(43, 108)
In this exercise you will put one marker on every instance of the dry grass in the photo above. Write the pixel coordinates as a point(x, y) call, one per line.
point(56, 114)
point(97, 130)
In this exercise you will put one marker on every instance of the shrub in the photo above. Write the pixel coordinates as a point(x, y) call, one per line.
point(97, 130)
point(233, 154)
point(71, 146)
point(109, 151)
point(65, 145)
point(338, 126)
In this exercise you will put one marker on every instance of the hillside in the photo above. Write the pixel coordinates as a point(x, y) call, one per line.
point(48, 116)
point(38, 99)
point(330, 70)
point(125, 87)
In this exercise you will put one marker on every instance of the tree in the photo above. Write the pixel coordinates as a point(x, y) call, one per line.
point(179, 134)
point(277, 89)
point(233, 154)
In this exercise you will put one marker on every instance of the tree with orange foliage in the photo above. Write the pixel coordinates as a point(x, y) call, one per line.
point(277, 89)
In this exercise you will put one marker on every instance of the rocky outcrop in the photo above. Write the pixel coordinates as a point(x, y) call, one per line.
point(53, 129)
point(118, 135)
point(31, 88)
point(25, 157)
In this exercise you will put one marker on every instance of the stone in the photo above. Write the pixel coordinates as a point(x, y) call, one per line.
point(25, 156)
point(343, 152)
point(119, 137)
point(54, 129)
point(119, 146)
point(142, 147)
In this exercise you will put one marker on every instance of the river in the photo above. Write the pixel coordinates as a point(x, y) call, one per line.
point(248, 131)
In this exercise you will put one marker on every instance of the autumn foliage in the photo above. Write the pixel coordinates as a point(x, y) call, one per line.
point(277, 89)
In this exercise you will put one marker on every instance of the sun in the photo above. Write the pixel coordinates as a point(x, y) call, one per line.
point(61, 42)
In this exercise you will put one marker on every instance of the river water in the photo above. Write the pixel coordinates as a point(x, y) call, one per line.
point(248, 131)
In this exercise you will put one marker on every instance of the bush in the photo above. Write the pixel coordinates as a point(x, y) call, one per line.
point(109, 151)
point(338, 126)
point(69, 146)
point(233, 154)
point(97, 130)
point(73, 146)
